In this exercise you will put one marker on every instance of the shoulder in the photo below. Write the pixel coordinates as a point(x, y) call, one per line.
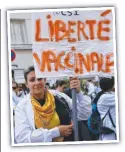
point(60, 94)
point(106, 97)
point(24, 101)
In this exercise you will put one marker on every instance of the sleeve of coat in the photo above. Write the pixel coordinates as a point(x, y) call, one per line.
point(24, 132)
point(84, 106)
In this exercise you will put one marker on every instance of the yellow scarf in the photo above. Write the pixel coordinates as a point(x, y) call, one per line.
point(45, 116)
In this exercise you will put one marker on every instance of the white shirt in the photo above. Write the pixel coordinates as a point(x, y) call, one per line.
point(91, 88)
point(97, 89)
point(25, 131)
point(15, 99)
point(105, 102)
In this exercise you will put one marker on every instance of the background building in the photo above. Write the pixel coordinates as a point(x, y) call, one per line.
point(21, 38)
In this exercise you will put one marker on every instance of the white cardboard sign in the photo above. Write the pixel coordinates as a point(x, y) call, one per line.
point(73, 42)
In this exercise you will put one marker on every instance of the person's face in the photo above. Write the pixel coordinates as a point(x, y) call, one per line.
point(20, 88)
point(15, 88)
point(36, 86)
point(62, 88)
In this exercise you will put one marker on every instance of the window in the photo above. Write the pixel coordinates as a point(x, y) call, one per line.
point(18, 32)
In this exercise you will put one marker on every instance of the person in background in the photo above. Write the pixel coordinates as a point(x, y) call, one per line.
point(15, 87)
point(91, 87)
point(84, 133)
point(60, 85)
point(20, 90)
point(25, 89)
point(37, 117)
point(85, 89)
point(97, 86)
point(15, 92)
point(106, 107)
point(21, 93)
point(47, 86)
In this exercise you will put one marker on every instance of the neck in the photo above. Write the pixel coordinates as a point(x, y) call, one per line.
point(39, 96)
point(109, 90)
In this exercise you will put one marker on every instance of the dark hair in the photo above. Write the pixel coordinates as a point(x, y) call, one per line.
point(27, 71)
point(68, 92)
point(47, 83)
point(106, 83)
point(15, 83)
point(60, 83)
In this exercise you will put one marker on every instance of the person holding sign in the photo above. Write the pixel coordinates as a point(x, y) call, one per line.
point(43, 116)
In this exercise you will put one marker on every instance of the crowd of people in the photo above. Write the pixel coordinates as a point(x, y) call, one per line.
point(42, 114)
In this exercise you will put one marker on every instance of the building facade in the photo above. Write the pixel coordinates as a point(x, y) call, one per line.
point(21, 38)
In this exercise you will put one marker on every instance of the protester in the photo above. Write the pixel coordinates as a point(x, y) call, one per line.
point(91, 88)
point(47, 86)
point(15, 91)
point(84, 133)
point(37, 117)
point(15, 87)
point(106, 108)
point(21, 92)
point(60, 85)
point(15, 99)
point(97, 86)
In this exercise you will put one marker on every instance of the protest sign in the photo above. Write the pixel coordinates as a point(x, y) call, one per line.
point(19, 75)
point(73, 42)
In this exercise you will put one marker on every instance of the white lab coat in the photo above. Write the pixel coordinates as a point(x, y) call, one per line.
point(25, 131)
point(105, 102)
point(91, 88)
point(15, 99)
